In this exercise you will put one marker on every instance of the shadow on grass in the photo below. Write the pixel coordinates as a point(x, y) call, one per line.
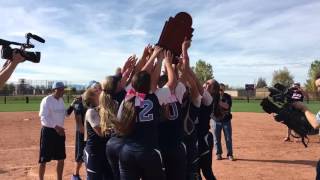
point(297, 162)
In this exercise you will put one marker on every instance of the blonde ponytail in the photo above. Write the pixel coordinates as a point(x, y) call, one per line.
point(126, 117)
point(107, 112)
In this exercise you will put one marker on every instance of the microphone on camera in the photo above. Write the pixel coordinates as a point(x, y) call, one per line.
point(35, 37)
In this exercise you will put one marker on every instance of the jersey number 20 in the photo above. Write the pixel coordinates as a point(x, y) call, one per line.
point(145, 114)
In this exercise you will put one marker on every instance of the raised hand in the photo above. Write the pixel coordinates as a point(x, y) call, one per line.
point(157, 50)
point(185, 57)
point(168, 56)
point(150, 49)
point(181, 67)
point(161, 55)
point(17, 58)
point(186, 44)
point(131, 61)
point(147, 51)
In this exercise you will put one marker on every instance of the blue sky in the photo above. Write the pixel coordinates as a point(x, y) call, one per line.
point(241, 39)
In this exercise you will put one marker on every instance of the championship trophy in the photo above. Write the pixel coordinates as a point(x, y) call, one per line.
point(174, 32)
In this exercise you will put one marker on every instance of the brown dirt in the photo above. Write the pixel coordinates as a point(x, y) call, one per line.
point(258, 148)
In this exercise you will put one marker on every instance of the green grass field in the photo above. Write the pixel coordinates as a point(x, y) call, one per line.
point(15, 104)
point(254, 106)
point(18, 103)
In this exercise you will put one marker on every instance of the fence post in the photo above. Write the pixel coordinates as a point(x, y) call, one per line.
point(5, 99)
point(27, 99)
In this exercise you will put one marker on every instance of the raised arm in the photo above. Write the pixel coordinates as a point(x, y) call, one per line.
point(9, 67)
point(127, 70)
point(129, 62)
point(156, 72)
point(195, 95)
point(172, 80)
point(143, 60)
point(313, 120)
point(187, 77)
point(149, 65)
point(185, 58)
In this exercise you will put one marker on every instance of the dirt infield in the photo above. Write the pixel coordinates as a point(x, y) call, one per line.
point(258, 148)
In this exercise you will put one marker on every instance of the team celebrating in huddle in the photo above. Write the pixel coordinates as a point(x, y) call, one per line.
point(139, 123)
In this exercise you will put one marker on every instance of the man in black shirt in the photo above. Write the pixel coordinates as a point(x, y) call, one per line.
point(222, 121)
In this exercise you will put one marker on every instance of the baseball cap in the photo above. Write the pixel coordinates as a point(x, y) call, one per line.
point(57, 85)
point(91, 84)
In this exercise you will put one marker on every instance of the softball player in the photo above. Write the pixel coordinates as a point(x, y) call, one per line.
point(140, 157)
point(138, 117)
point(94, 153)
point(80, 112)
point(209, 101)
point(191, 109)
point(109, 102)
point(113, 94)
point(191, 112)
point(171, 131)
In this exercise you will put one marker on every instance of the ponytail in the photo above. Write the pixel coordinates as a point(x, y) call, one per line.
point(107, 110)
point(126, 117)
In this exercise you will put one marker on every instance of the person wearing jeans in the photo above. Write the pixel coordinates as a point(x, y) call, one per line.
point(227, 131)
point(222, 121)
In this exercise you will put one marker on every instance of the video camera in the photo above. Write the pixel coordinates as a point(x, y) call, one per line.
point(7, 51)
point(280, 103)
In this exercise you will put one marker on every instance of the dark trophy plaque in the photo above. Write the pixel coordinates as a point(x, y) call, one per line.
point(174, 31)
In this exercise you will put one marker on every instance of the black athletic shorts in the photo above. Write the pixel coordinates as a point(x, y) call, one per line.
point(80, 144)
point(52, 145)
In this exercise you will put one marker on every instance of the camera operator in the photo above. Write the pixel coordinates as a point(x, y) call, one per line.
point(313, 119)
point(296, 94)
point(9, 67)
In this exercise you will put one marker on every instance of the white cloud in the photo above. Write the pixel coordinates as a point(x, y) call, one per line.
point(242, 39)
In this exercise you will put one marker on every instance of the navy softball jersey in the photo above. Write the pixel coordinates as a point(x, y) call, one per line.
point(205, 137)
point(94, 154)
point(204, 119)
point(191, 112)
point(145, 131)
point(171, 138)
point(94, 141)
point(116, 142)
point(79, 110)
point(140, 157)
point(171, 129)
